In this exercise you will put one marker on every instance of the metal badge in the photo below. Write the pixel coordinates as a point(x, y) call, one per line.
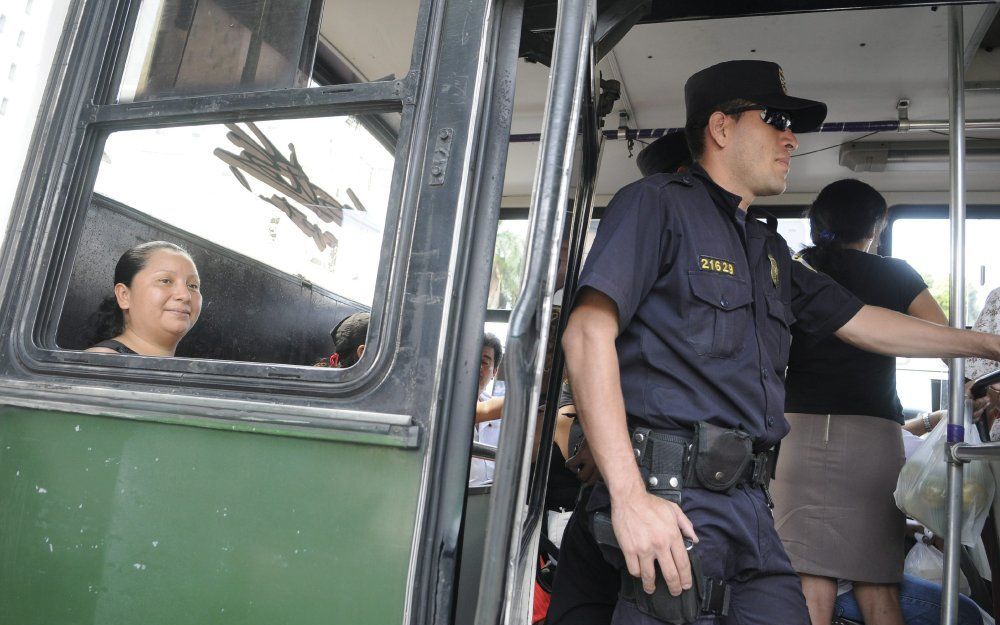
point(774, 270)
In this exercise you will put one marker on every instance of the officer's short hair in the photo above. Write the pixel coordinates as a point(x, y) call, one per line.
point(491, 340)
point(694, 130)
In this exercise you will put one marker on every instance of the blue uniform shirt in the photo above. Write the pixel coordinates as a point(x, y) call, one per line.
point(705, 300)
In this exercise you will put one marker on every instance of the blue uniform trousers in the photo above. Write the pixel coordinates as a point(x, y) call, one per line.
point(737, 543)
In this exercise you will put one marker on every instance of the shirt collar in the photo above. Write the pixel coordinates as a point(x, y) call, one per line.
point(722, 198)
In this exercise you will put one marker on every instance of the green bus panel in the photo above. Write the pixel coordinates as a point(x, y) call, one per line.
point(106, 521)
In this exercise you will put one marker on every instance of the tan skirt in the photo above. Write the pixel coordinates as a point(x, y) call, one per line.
point(833, 505)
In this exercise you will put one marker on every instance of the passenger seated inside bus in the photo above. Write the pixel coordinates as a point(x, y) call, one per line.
point(839, 465)
point(155, 303)
point(488, 410)
point(349, 338)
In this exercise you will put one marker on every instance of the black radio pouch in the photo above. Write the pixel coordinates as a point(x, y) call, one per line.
point(721, 456)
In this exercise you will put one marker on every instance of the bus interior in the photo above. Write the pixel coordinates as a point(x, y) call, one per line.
point(299, 212)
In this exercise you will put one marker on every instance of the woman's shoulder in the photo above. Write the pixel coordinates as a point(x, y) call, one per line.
point(111, 346)
point(100, 350)
point(882, 266)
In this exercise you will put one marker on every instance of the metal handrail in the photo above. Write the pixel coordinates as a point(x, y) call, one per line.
point(529, 319)
point(958, 407)
point(583, 206)
point(484, 451)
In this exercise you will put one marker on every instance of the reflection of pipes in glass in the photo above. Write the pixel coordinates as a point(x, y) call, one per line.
point(262, 160)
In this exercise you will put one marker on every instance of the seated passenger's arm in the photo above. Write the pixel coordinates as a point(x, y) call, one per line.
point(890, 333)
point(489, 410)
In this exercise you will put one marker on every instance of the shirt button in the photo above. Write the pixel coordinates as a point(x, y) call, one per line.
point(763, 373)
point(724, 302)
point(770, 420)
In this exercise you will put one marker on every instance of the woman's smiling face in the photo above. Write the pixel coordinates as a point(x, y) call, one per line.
point(164, 297)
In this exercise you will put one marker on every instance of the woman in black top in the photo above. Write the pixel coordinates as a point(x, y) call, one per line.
point(838, 467)
point(156, 301)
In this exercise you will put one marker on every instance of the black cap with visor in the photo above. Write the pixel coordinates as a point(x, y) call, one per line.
point(760, 82)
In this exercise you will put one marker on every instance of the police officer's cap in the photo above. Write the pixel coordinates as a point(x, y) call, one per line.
point(760, 82)
point(664, 155)
point(351, 332)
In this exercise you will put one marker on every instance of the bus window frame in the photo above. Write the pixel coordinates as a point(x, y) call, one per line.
point(40, 244)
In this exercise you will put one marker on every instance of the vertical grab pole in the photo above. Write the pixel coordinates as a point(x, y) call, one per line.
point(500, 593)
point(956, 312)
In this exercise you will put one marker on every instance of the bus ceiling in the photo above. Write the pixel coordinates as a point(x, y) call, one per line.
point(616, 17)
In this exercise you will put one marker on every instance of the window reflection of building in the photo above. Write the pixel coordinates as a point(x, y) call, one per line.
point(28, 37)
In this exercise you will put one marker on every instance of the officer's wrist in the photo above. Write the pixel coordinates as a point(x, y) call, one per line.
point(626, 488)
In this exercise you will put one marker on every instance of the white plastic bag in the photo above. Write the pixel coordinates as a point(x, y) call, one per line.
point(922, 485)
point(926, 562)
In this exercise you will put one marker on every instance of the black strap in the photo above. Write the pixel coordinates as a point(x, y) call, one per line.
point(715, 599)
point(119, 347)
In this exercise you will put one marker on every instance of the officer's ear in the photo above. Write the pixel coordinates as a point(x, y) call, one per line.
point(718, 131)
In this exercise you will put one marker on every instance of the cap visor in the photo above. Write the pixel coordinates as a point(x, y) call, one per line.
point(807, 115)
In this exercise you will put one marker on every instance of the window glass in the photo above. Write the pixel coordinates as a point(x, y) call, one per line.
point(194, 47)
point(924, 244)
point(284, 219)
point(508, 264)
point(198, 47)
point(796, 232)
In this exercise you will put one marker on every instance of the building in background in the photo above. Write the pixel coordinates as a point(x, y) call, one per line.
point(29, 32)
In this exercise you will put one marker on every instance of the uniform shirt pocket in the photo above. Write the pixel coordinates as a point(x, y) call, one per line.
point(719, 314)
point(778, 333)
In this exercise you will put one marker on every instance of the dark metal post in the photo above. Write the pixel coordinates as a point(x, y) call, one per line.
point(957, 405)
point(500, 592)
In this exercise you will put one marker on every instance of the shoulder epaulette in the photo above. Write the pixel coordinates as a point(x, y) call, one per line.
point(801, 259)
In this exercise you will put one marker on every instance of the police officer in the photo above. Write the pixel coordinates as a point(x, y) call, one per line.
point(585, 592)
point(681, 329)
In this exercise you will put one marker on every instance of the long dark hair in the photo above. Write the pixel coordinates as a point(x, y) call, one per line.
point(109, 320)
point(844, 212)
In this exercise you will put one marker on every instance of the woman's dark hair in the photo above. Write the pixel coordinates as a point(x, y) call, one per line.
point(109, 320)
point(844, 212)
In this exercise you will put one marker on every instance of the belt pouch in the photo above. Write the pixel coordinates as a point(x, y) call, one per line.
point(680, 610)
point(604, 534)
point(721, 456)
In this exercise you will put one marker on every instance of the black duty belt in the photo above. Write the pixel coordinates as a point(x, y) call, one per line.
point(715, 458)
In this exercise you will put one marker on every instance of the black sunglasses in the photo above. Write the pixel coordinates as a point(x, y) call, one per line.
point(780, 120)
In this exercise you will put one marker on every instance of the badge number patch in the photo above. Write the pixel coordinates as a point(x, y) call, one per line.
point(716, 265)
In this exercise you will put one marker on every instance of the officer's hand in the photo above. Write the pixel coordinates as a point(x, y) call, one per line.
point(651, 531)
point(583, 464)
